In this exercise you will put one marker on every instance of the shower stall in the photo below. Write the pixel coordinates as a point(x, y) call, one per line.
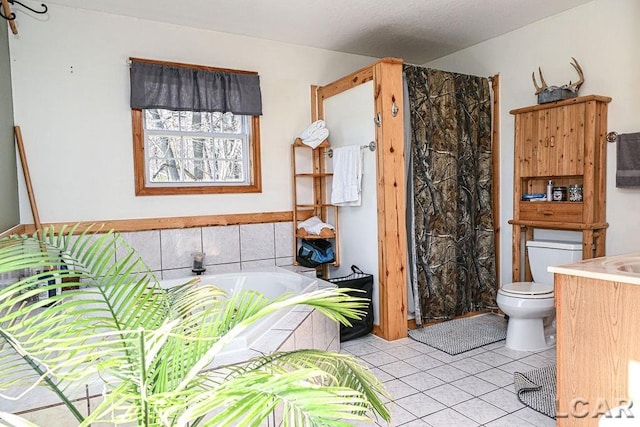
point(425, 228)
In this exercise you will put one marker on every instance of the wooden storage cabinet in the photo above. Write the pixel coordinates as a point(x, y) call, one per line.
point(309, 194)
point(564, 142)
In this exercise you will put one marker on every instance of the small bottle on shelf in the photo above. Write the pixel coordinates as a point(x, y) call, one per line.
point(549, 191)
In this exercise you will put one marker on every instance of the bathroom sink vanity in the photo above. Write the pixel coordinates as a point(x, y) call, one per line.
point(598, 345)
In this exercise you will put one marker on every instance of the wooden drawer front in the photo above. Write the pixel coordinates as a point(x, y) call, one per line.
point(551, 211)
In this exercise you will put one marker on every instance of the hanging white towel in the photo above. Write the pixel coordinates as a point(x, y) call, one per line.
point(346, 189)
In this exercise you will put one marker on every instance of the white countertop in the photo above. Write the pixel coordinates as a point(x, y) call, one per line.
point(605, 268)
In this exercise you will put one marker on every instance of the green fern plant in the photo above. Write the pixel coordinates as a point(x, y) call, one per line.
point(152, 348)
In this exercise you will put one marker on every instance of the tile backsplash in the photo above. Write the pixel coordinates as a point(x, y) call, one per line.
point(227, 247)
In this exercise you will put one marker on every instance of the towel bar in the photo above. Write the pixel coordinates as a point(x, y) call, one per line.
point(371, 146)
point(612, 136)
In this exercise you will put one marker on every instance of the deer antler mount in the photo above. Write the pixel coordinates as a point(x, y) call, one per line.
point(548, 93)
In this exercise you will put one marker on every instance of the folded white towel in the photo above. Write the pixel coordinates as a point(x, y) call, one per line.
point(316, 138)
point(347, 176)
point(314, 225)
point(315, 134)
point(318, 124)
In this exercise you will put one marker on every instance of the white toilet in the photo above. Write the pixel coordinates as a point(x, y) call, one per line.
point(528, 303)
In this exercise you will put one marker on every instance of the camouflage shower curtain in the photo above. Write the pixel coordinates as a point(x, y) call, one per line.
point(452, 193)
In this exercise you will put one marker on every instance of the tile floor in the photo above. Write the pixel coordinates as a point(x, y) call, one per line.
point(432, 388)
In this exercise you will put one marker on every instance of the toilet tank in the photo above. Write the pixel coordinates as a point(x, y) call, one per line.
point(547, 253)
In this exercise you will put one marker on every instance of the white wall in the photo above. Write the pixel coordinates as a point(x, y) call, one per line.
point(71, 92)
point(9, 215)
point(604, 37)
point(349, 118)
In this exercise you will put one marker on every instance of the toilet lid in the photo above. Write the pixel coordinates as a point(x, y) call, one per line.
point(527, 288)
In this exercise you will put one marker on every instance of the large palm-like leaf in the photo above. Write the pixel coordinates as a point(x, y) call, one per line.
point(117, 300)
point(153, 348)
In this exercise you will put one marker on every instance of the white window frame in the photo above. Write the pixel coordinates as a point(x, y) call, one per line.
point(244, 136)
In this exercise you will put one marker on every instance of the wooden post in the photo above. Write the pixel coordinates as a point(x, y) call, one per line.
point(516, 243)
point(392, 238)
point(27, 179)
point(7, 13)
point(528, 235)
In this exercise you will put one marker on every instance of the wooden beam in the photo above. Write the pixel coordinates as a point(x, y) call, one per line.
point(391, 189)
point(27, 178)
point(347, 82)
point(144, 224)
point(314, 103)
point(352, 80)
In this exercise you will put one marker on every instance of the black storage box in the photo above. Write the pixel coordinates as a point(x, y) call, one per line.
point(363, 282)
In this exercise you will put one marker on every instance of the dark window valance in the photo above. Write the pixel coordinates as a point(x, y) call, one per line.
point(194, 89)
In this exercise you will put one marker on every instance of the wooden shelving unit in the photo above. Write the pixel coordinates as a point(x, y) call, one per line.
point(313, 182)
point(564, 142)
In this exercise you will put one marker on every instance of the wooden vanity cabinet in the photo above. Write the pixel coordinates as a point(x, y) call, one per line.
point(564, 142)
point(597, 323)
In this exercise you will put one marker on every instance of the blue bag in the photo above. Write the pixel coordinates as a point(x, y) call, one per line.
point(315, 252)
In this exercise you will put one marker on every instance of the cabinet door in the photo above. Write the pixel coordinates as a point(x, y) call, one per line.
point(561, 141)
point(538, 143)
point(527, 144)
point(551, 141)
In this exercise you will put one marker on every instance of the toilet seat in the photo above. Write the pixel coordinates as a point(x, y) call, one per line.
point(527, 290)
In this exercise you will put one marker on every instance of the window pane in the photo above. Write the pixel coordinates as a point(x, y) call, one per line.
point(195, 121)
point(198, 171)
point(157, 119)
point(226, 148)
point(226, 123)
point(164, 170)
point(229, 171)
point(195, 147)
point(165, 147)
point(231, 123)
point(198, 148)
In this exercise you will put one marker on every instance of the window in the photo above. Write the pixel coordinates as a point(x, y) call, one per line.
point(186, 149)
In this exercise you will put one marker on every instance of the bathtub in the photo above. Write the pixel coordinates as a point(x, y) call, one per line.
point(303, 327)
point(271, 282)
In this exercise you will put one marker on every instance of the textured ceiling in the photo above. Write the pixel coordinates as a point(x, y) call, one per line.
point(415, 30)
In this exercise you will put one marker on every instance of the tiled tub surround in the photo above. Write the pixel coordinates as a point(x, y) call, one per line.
point(300, 328)
point(227, 247)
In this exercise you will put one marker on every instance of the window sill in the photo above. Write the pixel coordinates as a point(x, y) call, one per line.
point(185, 190)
